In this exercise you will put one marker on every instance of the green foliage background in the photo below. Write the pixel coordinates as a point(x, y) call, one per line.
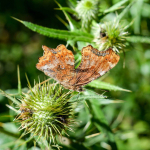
point(129, 121)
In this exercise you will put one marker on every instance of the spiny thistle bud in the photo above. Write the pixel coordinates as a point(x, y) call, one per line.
point(46, 111)
point(87, 10)
point(110, 34)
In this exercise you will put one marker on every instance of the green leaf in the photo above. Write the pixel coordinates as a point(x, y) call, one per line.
point(94, 97)
point(89, 141)
point(101, 124)
point(138, 39)
point(34, 148)
point(121, 15)
point(87, 94)
point(10, 127)
point(8, 140)
point(84, 97)
point(106, 86)
point(146, 10)
point(9, 97)
point(99, 99)
point(19, 146)
point(43, 143)
point(13, 92)
point(136, 12)
point(106, 101)
point(116, 6)
point(59, 34)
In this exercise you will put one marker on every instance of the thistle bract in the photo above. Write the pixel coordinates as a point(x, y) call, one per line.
point(46, 111)
point(110, 34)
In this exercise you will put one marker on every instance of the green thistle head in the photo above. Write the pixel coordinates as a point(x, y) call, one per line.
point(111, 34)
point(46, 111)
point(87, 11)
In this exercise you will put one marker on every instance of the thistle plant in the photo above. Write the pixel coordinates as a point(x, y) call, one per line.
point(87, 11)
point(46, 111)
point(110, 34)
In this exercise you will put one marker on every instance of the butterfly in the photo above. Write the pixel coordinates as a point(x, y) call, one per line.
point(59, 64)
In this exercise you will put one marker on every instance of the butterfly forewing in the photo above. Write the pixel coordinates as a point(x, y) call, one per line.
point(96, 63)
point(59, 64)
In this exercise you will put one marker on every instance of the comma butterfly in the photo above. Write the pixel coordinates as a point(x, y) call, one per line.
point(59, 64)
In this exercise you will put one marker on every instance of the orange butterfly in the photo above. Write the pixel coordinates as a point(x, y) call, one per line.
point(59, 64)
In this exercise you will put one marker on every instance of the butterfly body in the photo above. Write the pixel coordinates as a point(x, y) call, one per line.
point(59, 64)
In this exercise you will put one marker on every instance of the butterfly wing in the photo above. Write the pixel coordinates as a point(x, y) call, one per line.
point(59, 64)
point(94, 64)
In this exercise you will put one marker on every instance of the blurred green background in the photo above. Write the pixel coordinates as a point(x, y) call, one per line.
point(21, 46)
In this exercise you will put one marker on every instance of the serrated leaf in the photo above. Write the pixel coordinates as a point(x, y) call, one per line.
point(87, 94)
point(59, 34)
point(138, 39)
point(99, 99)
point(84, 97)
point(94, 97)
point(106, 86)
